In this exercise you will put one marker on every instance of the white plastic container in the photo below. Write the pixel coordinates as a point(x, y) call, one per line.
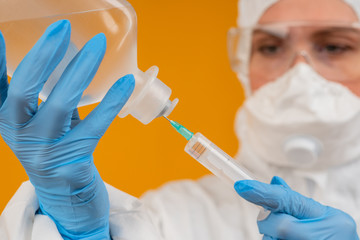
point(22, 22)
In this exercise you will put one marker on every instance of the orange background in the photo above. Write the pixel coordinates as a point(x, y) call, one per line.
point(187, 40)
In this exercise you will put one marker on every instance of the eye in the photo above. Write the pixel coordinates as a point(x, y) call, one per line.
point(269, 49)
point(334, 49)
point(265, 45)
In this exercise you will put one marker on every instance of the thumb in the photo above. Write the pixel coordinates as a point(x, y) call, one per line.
point(279, 199)
point(279, 181)
point(98, 121)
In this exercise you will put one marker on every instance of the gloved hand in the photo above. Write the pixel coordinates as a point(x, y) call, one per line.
point(294, 216)
point(51, 142)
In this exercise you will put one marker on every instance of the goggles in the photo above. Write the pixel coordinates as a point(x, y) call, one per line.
point(332, 49)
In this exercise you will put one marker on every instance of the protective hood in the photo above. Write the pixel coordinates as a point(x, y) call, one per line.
point(250, 11)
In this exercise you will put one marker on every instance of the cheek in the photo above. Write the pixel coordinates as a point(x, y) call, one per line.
point(354, 87)
point(258, 78)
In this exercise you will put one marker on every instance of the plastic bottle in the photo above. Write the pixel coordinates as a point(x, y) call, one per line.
point(22, 22)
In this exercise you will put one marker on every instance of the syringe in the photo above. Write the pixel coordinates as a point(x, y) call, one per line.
point(214, 159)
point(211, 156)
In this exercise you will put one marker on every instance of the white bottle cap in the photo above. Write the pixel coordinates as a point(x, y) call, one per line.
point(150, 98)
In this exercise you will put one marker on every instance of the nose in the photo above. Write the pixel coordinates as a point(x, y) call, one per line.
point(300, 57)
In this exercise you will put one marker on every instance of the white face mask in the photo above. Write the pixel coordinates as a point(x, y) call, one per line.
point(301, 120)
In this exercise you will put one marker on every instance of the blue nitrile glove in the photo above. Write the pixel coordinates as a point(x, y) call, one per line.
point(54, 146)
point(294, 216)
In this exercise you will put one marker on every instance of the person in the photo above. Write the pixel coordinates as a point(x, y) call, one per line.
point(299, 122)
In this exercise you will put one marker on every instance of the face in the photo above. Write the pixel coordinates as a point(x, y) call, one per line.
point(332, 49)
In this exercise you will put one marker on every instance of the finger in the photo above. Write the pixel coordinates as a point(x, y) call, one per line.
point(281, 226)
point(34, 70)
point(335, 224)
point(98, 121)
point(279, 199)
point(3, 73)
point(266, 237)
point(67, 93)
point(75, 119)
point(279, 181)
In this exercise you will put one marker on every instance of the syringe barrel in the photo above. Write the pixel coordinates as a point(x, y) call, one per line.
point(219, 163)
point(216, 160)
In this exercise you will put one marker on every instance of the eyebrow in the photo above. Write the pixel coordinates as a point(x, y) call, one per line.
point(332, 32)
point(273, 32)
point(318, 33)
point(337, 29)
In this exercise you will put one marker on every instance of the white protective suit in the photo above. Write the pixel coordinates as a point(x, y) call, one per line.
point(208, 209)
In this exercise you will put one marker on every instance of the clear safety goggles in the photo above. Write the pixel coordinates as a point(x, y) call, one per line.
point(332, 49)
